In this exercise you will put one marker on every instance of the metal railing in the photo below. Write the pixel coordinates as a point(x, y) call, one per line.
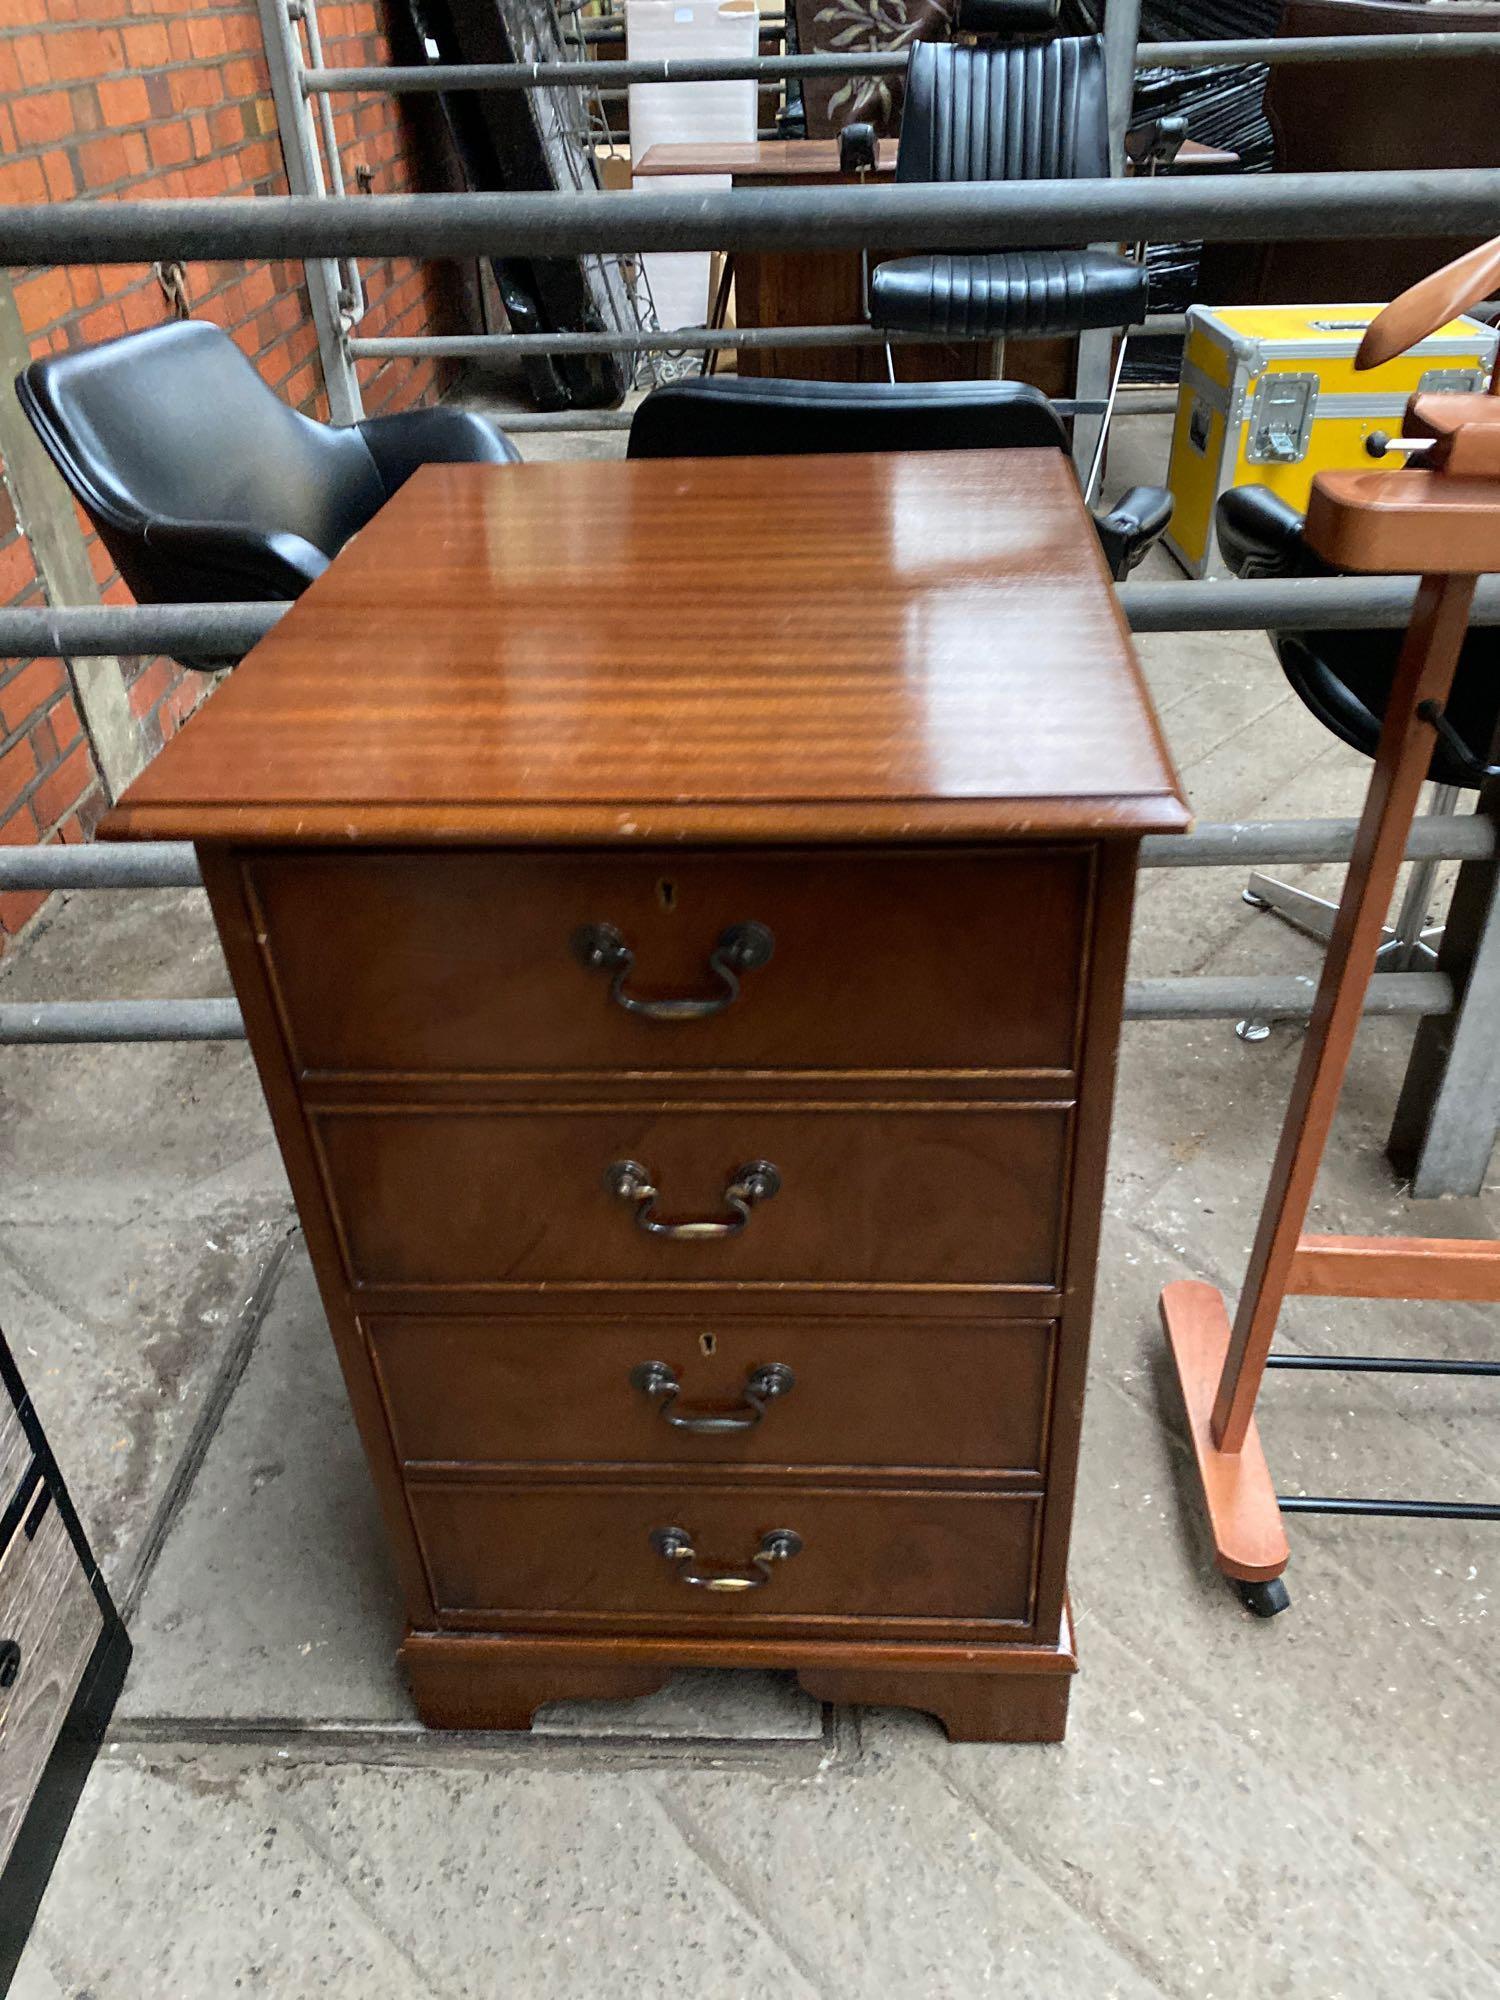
point(1287, 997)
point(1459, 202)
point(226, 631)
point(1446, 201)
point(397, 81)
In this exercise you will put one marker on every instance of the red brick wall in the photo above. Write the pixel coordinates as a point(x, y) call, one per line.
point(142, 99)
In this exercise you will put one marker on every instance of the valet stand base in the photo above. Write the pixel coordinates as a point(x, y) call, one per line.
point(1449, 529)
point(979, 1693)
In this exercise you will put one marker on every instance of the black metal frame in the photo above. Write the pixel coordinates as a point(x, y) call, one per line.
point(1380, 1364)
point(40, 1836)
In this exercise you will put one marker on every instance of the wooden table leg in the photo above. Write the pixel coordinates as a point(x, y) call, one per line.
point(1249, 1541)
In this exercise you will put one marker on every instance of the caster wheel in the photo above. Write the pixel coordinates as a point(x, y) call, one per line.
point(1264, 1599)
point(1256, 902)
point(1253, 1031)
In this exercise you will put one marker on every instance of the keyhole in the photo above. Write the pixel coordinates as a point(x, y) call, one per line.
point(707, 1344)
point(666, 894)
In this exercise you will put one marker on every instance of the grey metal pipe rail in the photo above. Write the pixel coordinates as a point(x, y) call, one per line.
point(57, 1022)
point(225, 631)
point(172, 864)
point(568, 420)
point(126, 864)
point(1446, 201)
point(413, 80)
point(1279, 49)
point(1280, 997)
point(1287, 604)
point(1233, 844)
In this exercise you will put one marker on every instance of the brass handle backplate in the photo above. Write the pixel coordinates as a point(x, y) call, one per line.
point(742, 948)
point(762, 1385)
point(629, 1181)
point(676, 1545)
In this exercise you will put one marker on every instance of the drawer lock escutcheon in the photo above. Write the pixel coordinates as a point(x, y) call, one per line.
point(676, 1546)
point(629, 1181)
point(742, 948)
point(656, 1380)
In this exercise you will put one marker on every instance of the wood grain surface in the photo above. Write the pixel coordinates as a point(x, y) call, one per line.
point(881, 959)
point(750, 160)
point(964, 1396)
point(875, 646)
point(49, 1609)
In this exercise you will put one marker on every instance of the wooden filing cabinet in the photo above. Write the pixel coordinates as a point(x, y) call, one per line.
point(703, 1171)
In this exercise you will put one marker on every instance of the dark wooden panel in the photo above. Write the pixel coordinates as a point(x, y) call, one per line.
point(48, 1608)
point(386, 962)
point(826, 288)
point(897, 646)
point(911, 1195)
point(950, 1394)
point(585, 1550)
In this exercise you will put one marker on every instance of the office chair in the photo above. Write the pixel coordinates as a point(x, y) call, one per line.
point(1023, 111)
point(203, 484)
point(1344, 678)
point(725, 416)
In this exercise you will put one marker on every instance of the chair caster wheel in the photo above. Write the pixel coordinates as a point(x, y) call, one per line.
point(1264, 1599)
point(1256, 902)
point(1253, 1031)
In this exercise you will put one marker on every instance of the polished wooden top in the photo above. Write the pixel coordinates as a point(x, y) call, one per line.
point(759, 159)
point(912, 645)
point(818, 159)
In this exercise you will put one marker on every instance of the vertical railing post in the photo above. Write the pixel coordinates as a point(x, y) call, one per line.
point(1447, 1121)
point(304, 172)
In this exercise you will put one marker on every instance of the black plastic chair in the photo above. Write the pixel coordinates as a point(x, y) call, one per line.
point(725, 416)
point(1344, 678)
point(206, 487)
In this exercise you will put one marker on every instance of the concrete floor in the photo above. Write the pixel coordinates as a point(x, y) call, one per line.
point(1300, 1808)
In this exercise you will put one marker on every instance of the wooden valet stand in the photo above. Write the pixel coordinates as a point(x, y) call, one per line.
point(1443, 521)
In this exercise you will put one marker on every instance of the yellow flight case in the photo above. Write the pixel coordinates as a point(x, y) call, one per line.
point(1269, 397)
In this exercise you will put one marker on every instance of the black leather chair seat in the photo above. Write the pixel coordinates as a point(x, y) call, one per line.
point(1344, 678)
point(728, 416)
point(1008, 292)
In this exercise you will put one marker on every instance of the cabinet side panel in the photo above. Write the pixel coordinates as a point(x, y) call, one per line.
point(223, 879)
point(1105, 988)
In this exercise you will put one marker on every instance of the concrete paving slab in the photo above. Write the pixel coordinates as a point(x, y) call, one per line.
point(212, 1889)
point(538, 1882)
point(893, 1885)
point(142, 1203)
point(120, 1328)
point(274, 1602)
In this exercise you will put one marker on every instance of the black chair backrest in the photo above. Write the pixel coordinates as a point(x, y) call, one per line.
point(175, 425)
point(724, 416)
point(1027, 112)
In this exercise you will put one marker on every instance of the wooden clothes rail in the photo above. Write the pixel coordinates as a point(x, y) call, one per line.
point(1443, 520)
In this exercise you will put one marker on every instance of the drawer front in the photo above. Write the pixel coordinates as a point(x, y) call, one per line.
point(945, 1393)
point(513, 1552)
point(909, 1195)
point(49, 1615)
point(466, 962)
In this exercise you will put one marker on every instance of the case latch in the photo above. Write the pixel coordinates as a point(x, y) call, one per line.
point(1452, 382)
point(1281, 419)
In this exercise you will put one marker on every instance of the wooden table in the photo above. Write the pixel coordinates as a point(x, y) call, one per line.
point(826, 287)
point(680, 911)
